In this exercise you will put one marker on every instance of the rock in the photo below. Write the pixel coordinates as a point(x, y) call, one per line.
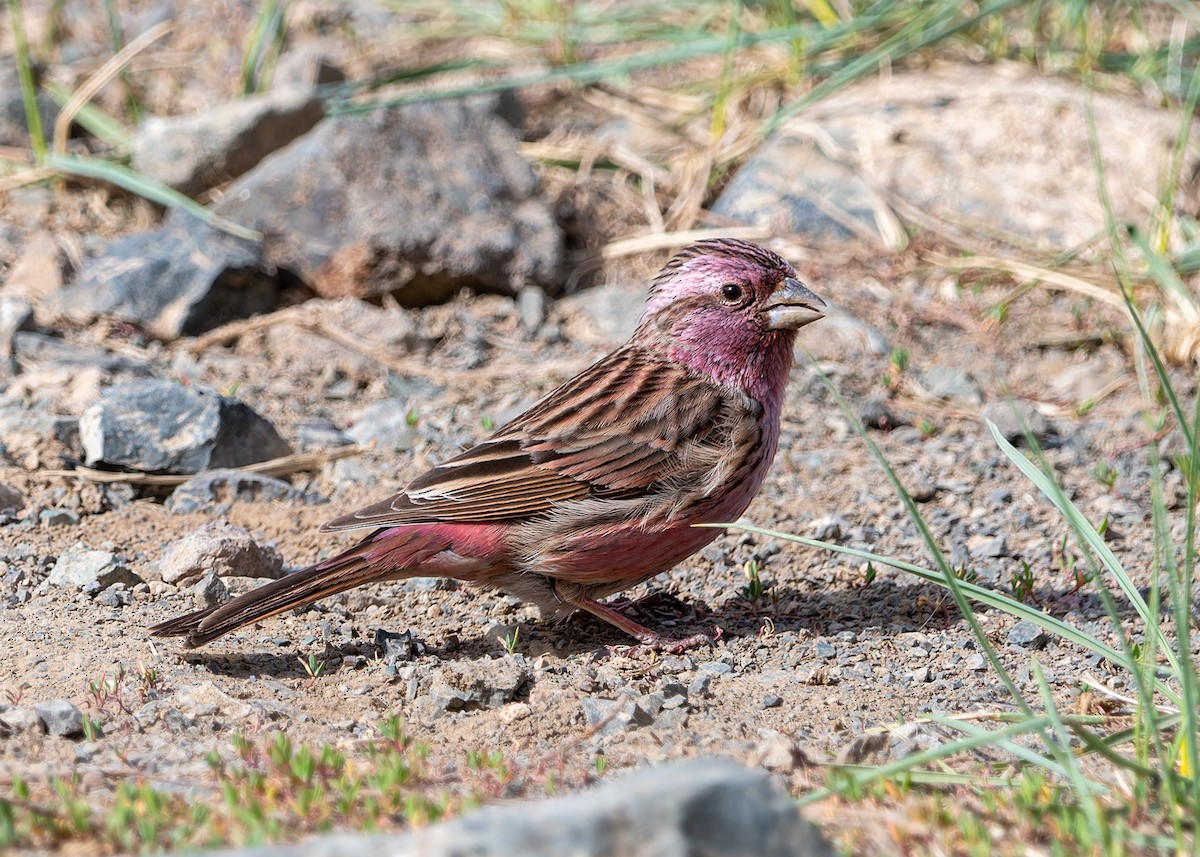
point(163, 426)
point(209, 591)
point(181, 280)
point(14, 130)
point(385, 423)
point(305, 67)
point(218, 548)
point(953, 385)
point(397, 648)
point(610, 716)
point(15, 314)
point(61, 717)
point(828, 528)
point(11, 500)
point(415, 201)
point(470, 685)
point(1016, 417)
point(1027, 635)
point(21, 721)
point(531, 307)
point(220, 489)
point(317, 436)
point(117, 595)
point(195, 152)
point(793, 182)
point(987, 547)
point(58, 517)
point(90, 570)
point(1001, 145)
point(604, 315)
point(697, 808)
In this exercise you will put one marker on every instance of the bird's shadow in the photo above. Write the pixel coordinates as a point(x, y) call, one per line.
point(886, 606)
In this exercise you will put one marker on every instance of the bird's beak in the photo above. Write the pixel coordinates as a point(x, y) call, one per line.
point(793, 305)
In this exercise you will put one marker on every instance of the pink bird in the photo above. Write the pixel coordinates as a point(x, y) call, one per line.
point(597, 486)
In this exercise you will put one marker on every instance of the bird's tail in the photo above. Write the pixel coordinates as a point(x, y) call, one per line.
point(360, 564)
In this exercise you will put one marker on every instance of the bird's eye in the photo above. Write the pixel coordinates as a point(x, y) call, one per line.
point(731, 293)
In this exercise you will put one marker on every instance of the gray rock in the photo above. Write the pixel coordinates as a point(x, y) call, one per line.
point(610, 716)
point(397, 648)
point(21, 721)
point(61, 717)
point(117, 595)
point(180, 280)
point(609, 313)
point(90, 570)
point(988, 547)
point(11, 500)
point(386, 424)
point(1014, 418)
point(471, 685)
point(195, 152)
point(828, 528)
point(315, 436)
point(305, 67)
point(1001, 146)
point(220, 489)
point(416, 201)
point(531, 307)
point(791, 181)
point(160, 425)
point(218, 548)
point(1027, 635)
point(209, 591)
point(697, 808)
point(953, 385)
point(15, 314)
point(58, 517)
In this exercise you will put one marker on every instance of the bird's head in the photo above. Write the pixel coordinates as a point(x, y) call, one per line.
point(730, 309)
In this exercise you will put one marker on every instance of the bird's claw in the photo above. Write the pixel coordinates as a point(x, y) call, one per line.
point(652, 643)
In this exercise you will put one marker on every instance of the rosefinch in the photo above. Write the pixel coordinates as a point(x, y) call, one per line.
point(596, 487)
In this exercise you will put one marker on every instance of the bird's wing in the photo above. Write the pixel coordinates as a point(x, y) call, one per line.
point(623, 425)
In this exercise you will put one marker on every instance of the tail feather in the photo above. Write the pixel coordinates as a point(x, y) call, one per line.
point(297, 589)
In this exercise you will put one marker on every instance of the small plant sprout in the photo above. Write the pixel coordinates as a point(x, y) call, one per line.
point(927, 427)
point(897, 365)
point(1022, 583)
point(510, 639)
point(312, 666)
point(486, 422)
point(1104, 473)
point(754, 588)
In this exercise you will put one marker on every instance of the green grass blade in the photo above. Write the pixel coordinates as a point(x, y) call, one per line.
point(1083, 529)
point(135, 183)
point(92, 118)
point(1061, 750)
point(33, 116)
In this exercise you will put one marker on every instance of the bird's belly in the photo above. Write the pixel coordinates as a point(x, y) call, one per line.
point(620, 553)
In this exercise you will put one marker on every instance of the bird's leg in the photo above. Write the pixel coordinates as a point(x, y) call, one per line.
point(658, 598)
point(650, 640)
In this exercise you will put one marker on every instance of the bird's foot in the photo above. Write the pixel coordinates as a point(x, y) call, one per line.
point(652, 643)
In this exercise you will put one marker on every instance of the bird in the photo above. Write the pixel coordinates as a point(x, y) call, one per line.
point(600, 484)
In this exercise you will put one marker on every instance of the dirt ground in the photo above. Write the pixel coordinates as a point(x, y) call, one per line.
point(831, 650)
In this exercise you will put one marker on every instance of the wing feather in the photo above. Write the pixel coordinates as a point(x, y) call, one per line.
point(629, 424)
